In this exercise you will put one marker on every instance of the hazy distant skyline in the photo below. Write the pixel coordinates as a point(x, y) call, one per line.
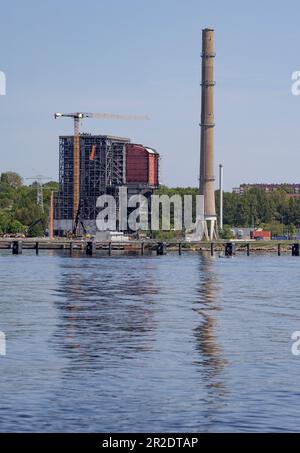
point(144, 57)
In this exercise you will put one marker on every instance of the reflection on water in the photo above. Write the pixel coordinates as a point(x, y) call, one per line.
point(160, 344)
point(100, 308)
point(207, 342)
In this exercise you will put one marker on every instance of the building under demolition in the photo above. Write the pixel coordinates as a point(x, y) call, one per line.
point(106, 163)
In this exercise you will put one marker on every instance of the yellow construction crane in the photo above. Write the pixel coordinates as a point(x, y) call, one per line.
point(77, 116)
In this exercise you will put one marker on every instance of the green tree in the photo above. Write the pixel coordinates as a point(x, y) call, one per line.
point(36, 231)
point(12, 179)
point(226, 233)
point(18, 208)
point(16, 227)
point(5, 220)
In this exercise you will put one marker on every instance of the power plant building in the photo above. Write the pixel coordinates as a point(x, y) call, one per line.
point(106, 164)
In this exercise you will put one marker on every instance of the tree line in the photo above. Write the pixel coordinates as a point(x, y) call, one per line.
point(275, 210)
point(18, 205)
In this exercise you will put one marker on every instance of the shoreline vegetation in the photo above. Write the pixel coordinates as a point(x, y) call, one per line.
point(277, 211)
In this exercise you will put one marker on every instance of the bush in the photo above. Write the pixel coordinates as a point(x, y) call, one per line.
point(226, 233)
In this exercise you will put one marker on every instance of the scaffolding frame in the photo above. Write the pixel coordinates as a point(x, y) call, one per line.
point(104, 173)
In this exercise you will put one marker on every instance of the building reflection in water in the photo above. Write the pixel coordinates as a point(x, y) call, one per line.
point(106, 310)
point(211, 362)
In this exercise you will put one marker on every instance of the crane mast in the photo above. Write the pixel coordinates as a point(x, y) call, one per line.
point(76, 169)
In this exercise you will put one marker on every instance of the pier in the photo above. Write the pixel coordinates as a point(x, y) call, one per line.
point(144, 247)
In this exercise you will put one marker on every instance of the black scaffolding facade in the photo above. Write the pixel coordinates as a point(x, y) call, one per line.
point(102, 170)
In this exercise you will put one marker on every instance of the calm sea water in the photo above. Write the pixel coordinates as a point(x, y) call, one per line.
point(145, 344)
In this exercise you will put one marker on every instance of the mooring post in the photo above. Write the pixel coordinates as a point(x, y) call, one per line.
point(91, 248)
point(36, 248)
point(296, 249)
point(279, 249)
point(212, 249)
point(109, 249)
point(142, 248)
point(230, 249)
point(248, 249)
point(71, 248)
point(161, 248)
point(180, 248)
point(17, 247)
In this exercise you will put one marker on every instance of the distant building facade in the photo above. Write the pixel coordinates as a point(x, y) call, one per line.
point(292, 190)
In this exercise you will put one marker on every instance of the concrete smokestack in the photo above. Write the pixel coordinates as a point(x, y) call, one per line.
point(207, 179)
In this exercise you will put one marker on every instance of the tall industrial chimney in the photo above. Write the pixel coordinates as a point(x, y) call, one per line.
point(207, 179)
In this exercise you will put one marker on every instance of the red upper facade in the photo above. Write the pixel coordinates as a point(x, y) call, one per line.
point(141, 165)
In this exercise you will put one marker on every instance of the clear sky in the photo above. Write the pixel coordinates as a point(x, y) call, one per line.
point(130, 56)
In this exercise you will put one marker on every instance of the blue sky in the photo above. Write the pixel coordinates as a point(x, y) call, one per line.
point(144, 57)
